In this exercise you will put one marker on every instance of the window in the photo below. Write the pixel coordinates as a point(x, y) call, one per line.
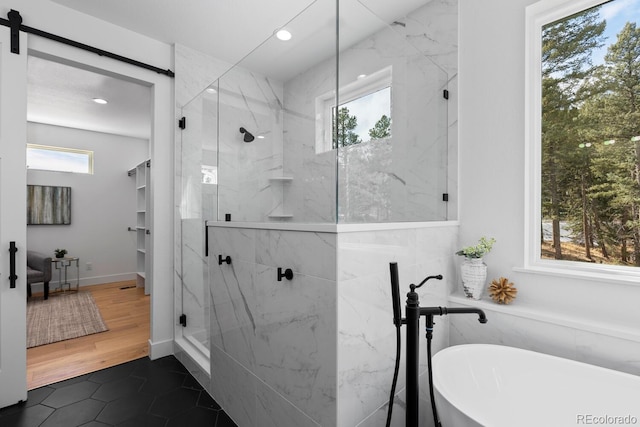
point(364, 113)
point(209, 174)
point(583, 135)
point(59, 159)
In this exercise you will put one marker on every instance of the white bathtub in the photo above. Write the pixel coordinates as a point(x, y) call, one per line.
point(498, 386)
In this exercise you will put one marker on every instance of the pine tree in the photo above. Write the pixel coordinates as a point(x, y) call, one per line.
point(566, 63)
point(346, 124)
point(382, 128)
point(621, 110)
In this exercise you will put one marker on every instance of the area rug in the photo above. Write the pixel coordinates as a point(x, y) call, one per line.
point(62, 317)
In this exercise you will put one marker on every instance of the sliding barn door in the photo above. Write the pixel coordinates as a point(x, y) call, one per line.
point(13, 228)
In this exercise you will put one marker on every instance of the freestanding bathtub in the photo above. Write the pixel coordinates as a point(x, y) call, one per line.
point(499, 386)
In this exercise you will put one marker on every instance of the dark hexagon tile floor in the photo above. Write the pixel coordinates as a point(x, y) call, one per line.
point(143, 392)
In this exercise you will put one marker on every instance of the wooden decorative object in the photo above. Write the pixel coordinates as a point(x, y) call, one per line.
point(502, 291)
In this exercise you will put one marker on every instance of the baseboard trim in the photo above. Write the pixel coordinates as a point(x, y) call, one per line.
point(160, 349)
point(87, 281)
point(99, 280)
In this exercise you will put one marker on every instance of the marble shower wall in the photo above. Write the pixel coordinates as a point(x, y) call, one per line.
point(273, 343)
point(366, 334)
point(608, 345)
point(401, 178)
point(318, 350)
point(212, 140)
point(195, 202)
point(254, 102)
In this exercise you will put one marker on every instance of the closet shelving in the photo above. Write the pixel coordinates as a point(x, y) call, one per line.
point(142, 180)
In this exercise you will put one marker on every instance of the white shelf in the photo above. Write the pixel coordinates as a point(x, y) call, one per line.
point(536, 314)
point(142, 179)
point(281, 178)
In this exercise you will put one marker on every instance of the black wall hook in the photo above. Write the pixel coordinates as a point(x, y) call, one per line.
point(227, 259)
point(288, 274)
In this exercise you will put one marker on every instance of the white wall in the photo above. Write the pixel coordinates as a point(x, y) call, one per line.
point(103, 205)
point(590, 320)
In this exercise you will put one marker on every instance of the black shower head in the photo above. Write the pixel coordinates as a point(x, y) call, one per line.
point(248, 137)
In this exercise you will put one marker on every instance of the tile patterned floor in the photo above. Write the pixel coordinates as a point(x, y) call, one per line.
point(140, 393)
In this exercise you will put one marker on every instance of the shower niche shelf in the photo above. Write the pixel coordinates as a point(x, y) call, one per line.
point(282, 179)
point(280, 216)
point(278, 188)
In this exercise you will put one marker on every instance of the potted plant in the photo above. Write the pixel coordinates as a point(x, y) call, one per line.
point(473, 270)
point(60, 253)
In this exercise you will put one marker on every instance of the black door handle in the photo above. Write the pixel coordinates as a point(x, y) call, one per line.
point(12, 264)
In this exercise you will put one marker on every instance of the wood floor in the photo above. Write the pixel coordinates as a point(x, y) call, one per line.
point(126, 311)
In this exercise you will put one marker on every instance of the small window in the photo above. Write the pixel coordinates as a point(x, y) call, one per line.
point(59, 159)
point(209, 174)
point(364, 113)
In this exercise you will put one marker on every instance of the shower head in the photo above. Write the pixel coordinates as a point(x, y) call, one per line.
point(248, 137)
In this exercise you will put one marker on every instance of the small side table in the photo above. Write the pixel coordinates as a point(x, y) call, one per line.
point(61, 264)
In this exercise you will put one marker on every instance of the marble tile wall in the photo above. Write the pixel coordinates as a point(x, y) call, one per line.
point(254, 102)
point(596, 348)
point(197, 204)
point(319, 348)
point(194, 202)
point(398, 179)
point(366, 335)
point(273, 352)
point(295, 355)
point(242, 168)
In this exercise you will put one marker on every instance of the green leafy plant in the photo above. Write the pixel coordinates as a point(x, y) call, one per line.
point(60, 253)
point(478, 251)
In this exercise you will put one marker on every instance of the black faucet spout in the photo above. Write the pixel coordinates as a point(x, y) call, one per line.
point(481, 316)
point(440, 311)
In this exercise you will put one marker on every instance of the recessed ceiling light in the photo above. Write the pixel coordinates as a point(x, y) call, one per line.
point(211, 90)
point(283, 35)
point(260, 136)
point(100, 101)
point(361, 76)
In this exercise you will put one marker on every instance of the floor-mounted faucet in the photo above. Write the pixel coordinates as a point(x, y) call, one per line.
point(413, 312)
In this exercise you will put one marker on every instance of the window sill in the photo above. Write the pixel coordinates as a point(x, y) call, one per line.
point(615, 277)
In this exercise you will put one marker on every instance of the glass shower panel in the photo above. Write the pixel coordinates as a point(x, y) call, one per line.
point(250, 144)
point(392, 138)
point(199, 167)
point(276, 95)
point(306, 135)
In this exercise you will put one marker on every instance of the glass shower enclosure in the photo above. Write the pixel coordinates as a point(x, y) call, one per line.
point(344, 123)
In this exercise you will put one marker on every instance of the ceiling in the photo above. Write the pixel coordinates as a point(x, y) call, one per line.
point(228, 30)
point(62, 95)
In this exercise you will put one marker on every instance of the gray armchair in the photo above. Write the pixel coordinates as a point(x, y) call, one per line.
point(38, 270)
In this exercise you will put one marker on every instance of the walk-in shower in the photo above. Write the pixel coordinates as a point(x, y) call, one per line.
point(355, 162)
